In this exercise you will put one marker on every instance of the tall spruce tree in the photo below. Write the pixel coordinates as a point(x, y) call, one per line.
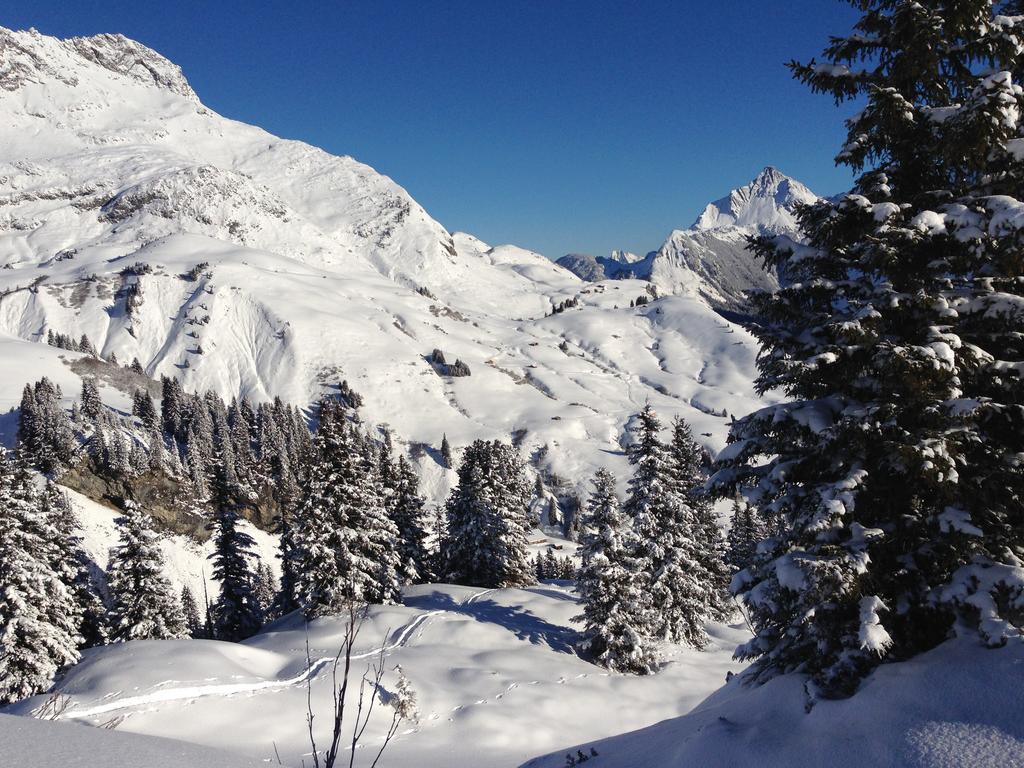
point(190, 611)
point(38, 625)
point(409, 516)
point(345, 543)
point(145, 605)
point(78, 606)
point(746, 530)
point(665, 549)
point(485, 544)
point(611, 587)
point(688, 462)
point(446, 452)
point(893, 479)
point(236, 611)
point(91, 404)
point(45, 436)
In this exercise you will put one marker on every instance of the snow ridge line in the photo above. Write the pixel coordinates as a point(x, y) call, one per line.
point(402, 636)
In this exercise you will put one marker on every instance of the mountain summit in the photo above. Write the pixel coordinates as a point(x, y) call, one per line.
point(232, 260)
point(32, 57)
point(710, 259)
point(766, 204)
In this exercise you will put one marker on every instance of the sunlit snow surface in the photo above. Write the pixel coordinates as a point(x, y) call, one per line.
point(313, 264)
point(494, 672)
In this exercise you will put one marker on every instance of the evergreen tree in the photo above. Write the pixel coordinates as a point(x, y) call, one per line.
point(745, 532)
point(446, 452)
point(69, 603)
point(664, 526)
point(190, 610)
point(688, 460)
point(890, 477)
point(611, 588)
point(171, 406)
point(487, 519)
point(145, 605)
point(551, 568)
point(265, 591)
point(346, 545)
point(408, 514)
point(143, 407)
point(287, 597)
point(38, 635)
point(91, 403)
point(236, 612)
point(157, 454)
point(85, 345)
point(44, 435)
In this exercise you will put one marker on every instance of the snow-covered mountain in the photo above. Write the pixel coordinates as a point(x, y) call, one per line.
point(710, 259)
point(237, 261)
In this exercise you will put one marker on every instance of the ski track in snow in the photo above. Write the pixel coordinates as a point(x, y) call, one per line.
point(401, 638)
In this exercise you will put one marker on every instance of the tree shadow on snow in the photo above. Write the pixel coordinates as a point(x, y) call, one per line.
point(523, 624)
point(515, 619)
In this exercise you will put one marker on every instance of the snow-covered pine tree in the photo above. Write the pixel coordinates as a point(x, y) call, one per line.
point(157, 455)
point(86, 345)
point(665, 549)
point(286, 600)
point(486, 542)
point(236, 612)
point(265, 590)
point(37, 625)
point(171, 406)
point(550, 565)
point(91, 405)
point(407, 512)
point(611, 588)
point(746, 530)
point(688, 461)
point(45, 436)
point(540, 566)
point(190, 610)
point(898, 344)
point(144, 408)
point(67, 605)
point(145, 605)
point(446, 452)
point(345, 543)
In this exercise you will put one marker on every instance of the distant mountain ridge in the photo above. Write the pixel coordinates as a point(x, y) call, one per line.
point(253, 266)
point(710, 259)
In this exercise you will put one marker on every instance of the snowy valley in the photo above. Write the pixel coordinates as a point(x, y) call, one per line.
point(247, 357)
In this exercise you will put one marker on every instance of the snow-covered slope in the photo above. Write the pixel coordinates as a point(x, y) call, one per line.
point(186, 562)
point(765, 205)
point(958, 705)
point(237, 261)
point(31, 743)
point(710, 259)
point(493, 670)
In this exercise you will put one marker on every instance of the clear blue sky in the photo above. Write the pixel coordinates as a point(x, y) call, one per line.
point(558, 125)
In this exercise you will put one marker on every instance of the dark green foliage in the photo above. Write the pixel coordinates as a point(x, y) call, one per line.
point(486, 542)
point(890, 476)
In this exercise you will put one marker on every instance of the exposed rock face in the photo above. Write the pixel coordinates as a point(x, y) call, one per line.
point(127, 57)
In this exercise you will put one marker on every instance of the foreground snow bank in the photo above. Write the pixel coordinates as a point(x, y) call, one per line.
point(958, 705)
point(494, 673)
point(29, 743)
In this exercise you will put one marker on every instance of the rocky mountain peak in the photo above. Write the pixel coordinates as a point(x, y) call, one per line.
point(766, 204)
point(28, 56)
